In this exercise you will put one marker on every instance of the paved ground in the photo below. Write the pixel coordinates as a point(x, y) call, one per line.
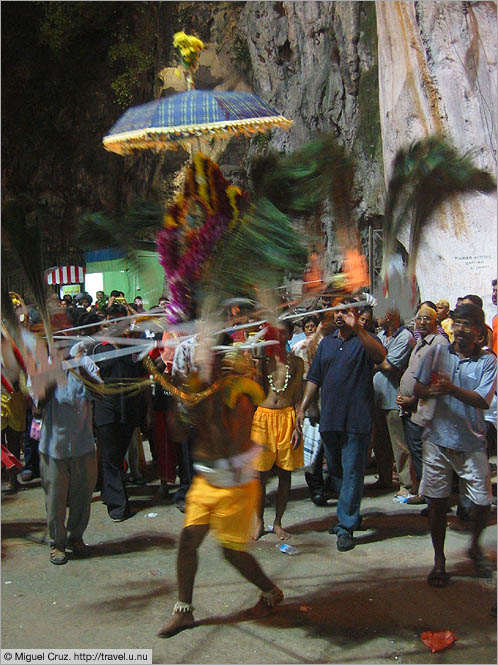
point(369, 605)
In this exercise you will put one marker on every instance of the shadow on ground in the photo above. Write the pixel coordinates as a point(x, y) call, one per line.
point(139, 542)
point(375, 605)
point(134, 598)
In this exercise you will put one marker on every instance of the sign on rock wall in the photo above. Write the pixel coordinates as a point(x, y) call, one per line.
point(437, 74)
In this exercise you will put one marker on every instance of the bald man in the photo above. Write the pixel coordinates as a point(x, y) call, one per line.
point(443, 317)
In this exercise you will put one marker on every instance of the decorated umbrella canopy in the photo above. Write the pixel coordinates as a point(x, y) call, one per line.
point(177, 120)
point(182, 118)
point(219, 220)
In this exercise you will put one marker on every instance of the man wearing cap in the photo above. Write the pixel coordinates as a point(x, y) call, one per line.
point(414, 413)
point(443, 317)
point(461, 378)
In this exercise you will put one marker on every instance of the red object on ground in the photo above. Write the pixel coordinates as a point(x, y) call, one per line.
point(9, 460)
point(437, 641)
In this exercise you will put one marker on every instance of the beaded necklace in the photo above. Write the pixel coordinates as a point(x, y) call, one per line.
point(286, 382)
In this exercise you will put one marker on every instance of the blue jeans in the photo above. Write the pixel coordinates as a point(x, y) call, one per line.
point(346, 454)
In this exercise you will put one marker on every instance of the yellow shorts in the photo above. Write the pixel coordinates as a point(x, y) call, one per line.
point(229, 511)
point(272, 429)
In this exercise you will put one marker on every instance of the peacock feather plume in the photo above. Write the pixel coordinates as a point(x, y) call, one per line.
point(24, 240)
point(424, 175)
point(264, 248)
point(298, 183)
point(9, 317)
point(128, 230)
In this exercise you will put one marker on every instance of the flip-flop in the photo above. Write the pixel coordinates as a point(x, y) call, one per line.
point(482, 565)
point(438, 578)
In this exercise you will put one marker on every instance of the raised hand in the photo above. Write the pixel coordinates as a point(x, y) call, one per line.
point(351, 317)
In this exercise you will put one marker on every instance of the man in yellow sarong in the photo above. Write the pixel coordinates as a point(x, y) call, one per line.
point(224, 494)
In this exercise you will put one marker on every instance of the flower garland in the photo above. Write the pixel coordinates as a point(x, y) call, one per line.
point(191, 398)
point(286, 382)
point(188, 48)
point(187, 243)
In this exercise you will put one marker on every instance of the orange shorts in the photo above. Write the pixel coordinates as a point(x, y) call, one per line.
point(272, 430)
point(229, 511)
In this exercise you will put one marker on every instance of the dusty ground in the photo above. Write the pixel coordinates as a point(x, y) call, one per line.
point(369, 605)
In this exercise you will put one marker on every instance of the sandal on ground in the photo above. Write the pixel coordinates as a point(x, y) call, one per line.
point(57, 556)
point(438, 578)
point(416, 500)
point(482, 565)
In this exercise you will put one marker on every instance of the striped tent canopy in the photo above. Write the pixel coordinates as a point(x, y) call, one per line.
point(175, 121)
point(65, 275)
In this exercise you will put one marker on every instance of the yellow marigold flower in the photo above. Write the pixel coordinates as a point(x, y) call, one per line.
point(187, 43)
point(169, 221)
point(178, 38)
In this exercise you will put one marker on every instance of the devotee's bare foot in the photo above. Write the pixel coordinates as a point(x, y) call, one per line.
point(483, 566)
point(178, 622)
point(266, 603)
point(438, 577)
point(259, 530)
point(280, 533)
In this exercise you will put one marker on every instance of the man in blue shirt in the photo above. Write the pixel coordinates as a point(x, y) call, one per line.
point(68, 463)
point(343, 369)
point(462, 379)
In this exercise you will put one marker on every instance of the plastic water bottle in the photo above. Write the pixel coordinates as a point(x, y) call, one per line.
point(287, 549)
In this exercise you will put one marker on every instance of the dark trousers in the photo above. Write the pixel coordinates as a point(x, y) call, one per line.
point(31, 455)
point(491, 438)
point(413, 438)
point(314, 477)
point(11, 439)
point(114, 440)
point(346, 454)
point(185, 465)
point(68, 482)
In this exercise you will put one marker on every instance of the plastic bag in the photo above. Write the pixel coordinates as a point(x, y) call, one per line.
point(437, 641)
point(35, 431)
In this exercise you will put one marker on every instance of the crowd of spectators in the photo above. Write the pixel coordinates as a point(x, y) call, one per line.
point(415, 399)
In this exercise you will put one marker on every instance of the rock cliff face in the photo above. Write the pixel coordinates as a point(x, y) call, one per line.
point(316, 62)
point(377, 74)
point(437, 72)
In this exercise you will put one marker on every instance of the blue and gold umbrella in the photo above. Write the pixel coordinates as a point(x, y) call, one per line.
point(177, 120)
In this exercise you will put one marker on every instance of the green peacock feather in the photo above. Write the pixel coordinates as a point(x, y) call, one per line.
point(128, 230)
point(298, 182)
point(424, 175)
point(8, 312)
point(264, 248)
point(24, 239)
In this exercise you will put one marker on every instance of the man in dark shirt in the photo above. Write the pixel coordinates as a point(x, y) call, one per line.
point(116, 417)
point(343, 368)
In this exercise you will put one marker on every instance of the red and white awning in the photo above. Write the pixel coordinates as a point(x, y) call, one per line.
point(65, 275)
